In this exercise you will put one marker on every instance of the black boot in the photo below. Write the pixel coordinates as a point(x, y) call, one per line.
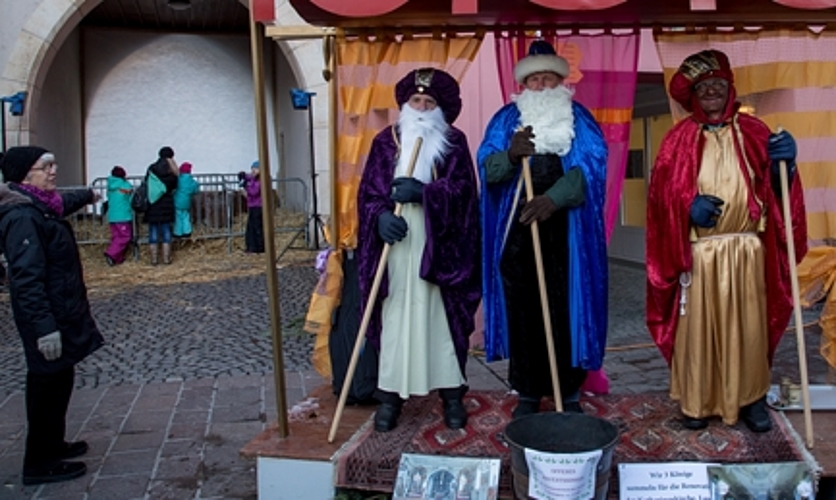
point(756, 416)
point(386, 416)
point(54, 472)
point(527, 405)
point(455, 414)
point(694, 424)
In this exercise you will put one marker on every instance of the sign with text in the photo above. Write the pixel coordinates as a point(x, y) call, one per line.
point(553, 476)
point(664, 481)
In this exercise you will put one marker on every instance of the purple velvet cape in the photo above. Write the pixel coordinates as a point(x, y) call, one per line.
point(451, 257)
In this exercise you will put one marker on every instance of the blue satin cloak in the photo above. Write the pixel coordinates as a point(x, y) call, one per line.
point(587, 244)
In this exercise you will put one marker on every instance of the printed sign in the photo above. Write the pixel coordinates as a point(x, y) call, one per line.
point(664, 481)
point(553, 476)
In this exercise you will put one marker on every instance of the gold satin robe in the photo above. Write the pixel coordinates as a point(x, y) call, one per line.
point(720, 357)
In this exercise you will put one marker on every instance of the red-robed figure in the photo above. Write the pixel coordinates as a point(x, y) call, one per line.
point(718, 286)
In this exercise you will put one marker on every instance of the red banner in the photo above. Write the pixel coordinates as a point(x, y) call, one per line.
point(584, 13)
point(264, 11)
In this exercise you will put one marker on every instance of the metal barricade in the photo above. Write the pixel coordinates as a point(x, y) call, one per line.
point(219, 210)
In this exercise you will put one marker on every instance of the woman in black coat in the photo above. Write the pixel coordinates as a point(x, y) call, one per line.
point(160, 215)
point(49, 302)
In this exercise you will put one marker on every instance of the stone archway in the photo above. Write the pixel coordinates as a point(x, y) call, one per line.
point(51, 21)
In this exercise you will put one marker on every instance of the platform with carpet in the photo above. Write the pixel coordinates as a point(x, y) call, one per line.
point(650, 431)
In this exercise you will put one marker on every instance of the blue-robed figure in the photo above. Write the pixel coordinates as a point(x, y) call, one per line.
point(568, 158)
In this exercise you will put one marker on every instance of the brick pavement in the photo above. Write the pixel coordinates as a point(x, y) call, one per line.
point(186, 381)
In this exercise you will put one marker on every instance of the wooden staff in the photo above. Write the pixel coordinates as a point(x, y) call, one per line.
point(367, 313)
point(541, 281)
point(796, 299)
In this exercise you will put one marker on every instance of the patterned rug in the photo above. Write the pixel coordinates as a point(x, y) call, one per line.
point(649, 426)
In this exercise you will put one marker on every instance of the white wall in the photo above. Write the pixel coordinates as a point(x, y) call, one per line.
point(146, 90)
point(60, 116)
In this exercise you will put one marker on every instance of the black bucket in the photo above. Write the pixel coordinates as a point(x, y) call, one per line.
point(564, 433)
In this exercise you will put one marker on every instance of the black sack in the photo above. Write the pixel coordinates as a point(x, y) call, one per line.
point(139, 199)
point(343, 336)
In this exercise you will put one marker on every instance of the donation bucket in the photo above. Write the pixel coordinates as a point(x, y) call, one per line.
point(560, 433)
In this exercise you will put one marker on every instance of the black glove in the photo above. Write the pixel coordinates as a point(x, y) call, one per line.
point(407, 190)
point(391, 228)
point(705, 209)
point(782, 147)
point(242, 179)
point(540, 208)
point(521, 145)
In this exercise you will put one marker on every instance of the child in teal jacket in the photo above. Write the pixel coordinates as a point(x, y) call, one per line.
point(119, 216)
point(187, 186)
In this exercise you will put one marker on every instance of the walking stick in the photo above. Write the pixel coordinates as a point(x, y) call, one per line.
point(541, 281)
point(367, 313)
point(796, 300)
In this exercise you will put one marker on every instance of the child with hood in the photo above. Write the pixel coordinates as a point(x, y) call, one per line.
point(119, 216)
point(187, 187)
point(254, 237)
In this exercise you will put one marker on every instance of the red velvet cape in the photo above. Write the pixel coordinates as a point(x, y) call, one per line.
point(668, 248)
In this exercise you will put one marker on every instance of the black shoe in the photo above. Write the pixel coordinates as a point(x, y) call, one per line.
point(572, 407)
point(73, 450)
point(694, 424)
point(109, 260)
point(455, 414)
point(756, 416)
point(526, 406)
point(54, 473)
point(386, 417)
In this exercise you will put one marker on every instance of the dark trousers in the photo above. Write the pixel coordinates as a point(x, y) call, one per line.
point(254, 237)
point(47, 399)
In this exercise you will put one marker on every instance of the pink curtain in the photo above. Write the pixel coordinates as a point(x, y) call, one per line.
point(603, 73)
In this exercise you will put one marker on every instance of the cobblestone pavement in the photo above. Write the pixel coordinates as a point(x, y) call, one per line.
point(158, 333)
point(186, 380)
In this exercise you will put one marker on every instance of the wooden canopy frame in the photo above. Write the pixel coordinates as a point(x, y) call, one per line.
point(331, 21)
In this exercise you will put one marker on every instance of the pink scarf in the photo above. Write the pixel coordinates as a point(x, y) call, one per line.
point(52, 199)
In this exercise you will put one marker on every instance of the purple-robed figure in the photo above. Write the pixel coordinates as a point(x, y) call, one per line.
point(451, 256)
point(449, 196)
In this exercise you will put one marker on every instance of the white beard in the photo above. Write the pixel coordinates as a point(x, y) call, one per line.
point(549, 112)
point(431, 126)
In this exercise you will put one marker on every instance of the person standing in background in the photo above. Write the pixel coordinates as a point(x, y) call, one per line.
point(187, 187)
point(160, 213)
point(254, 236)
point(120, 216)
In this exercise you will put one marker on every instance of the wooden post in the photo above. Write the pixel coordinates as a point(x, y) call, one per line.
point(257, 52)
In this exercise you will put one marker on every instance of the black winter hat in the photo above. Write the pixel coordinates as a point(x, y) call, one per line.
point(166, 152)
point(17, 161)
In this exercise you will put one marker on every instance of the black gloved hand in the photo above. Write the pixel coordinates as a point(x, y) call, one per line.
point(407, 190)
point(391, 228)
point(705, 209)
point(521, 145)
point(540, 208)
point(782, 147)
point(242, 179)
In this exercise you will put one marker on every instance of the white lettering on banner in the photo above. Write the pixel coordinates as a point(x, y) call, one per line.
point(556, 476)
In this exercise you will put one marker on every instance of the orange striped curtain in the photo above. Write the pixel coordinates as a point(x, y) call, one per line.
point(786, 78)
point(367, 72)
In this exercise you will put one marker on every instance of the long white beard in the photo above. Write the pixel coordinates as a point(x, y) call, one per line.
point(431, 126)
point(549, 112)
